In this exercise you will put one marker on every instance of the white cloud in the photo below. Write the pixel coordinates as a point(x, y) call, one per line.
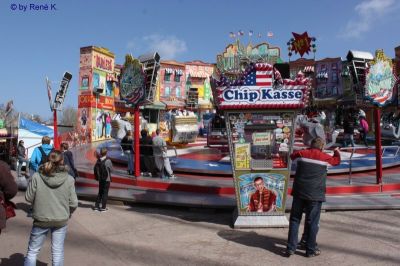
point(131, 45)
point(367, 13)
point(167, 46)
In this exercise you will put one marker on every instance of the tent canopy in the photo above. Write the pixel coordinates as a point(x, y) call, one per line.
point(35, 127)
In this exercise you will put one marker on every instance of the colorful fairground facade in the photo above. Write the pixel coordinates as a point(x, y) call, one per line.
point(179, 88)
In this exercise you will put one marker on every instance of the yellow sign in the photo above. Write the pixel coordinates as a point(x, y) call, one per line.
point(242, 156)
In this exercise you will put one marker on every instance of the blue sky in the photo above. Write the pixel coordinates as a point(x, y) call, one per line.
point(35, 44)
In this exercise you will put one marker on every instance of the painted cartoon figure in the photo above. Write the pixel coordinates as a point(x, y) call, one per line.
point(263, 200)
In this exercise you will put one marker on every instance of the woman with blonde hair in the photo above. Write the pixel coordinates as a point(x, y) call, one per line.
point(53, 197)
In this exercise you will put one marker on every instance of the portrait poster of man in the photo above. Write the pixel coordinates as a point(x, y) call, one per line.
point(261, 192)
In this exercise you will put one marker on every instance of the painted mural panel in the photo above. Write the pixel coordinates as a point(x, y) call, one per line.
point(84, 78)
point(101, 124)
point(99, 80)
point(261, 192)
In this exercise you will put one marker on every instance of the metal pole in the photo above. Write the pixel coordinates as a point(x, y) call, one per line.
point(136, 142)
point(378, 145)
point(55, 137)
point(95, 118)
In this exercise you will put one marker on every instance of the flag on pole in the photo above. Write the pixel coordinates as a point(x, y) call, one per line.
point(232, 34)
point(270, 34)
point(240, 33)
point(250, 33)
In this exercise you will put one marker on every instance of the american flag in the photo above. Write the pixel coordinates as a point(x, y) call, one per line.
point(259, 78)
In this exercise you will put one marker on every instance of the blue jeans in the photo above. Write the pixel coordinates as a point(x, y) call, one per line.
point(22, 160)
point(313, 212)
point(37, 238)
point(129, 155)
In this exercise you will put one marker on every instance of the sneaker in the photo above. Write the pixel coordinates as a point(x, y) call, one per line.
point(289, 253)
point(95, 208)
point(172, 177)
point(317, 252)
point(103, 209)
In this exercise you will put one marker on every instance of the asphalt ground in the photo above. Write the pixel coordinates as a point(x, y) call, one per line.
point(149, 234)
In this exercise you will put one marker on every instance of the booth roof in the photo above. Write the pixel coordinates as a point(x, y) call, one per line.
point(35, 127)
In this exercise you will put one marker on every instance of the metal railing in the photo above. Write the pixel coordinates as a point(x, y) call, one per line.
point(383, 152)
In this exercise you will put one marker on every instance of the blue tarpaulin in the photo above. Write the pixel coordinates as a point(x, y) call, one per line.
point(35, 127)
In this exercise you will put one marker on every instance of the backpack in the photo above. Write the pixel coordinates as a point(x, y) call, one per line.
point(45, 157)
point(100, 170)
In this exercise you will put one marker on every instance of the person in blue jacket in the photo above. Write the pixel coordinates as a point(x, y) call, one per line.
point(39, 154)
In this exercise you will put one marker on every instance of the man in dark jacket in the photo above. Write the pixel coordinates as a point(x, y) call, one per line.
point(69, 160)
point(308, 193)
point(146, 153)
point(8, 189)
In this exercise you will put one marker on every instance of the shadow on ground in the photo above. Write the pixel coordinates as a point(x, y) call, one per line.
point(17, 259)
point(252, 239)
point(23, 206)
point(189, 214)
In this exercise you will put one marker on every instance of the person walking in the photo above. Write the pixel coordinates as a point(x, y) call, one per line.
point(69, 160)
point(364, 128)
point(40, 154)
point(22, 158)
point(127, 147)
point(348, 127)
point(161, 159)
point(308, 193)
point(53, 197)
point(102, 172)
point(8, 189)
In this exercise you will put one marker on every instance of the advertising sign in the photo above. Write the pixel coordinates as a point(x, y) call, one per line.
point(242, 156)
point(259, 114)
point(380, 80)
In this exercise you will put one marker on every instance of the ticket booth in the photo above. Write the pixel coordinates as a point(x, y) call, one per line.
point(260, 112)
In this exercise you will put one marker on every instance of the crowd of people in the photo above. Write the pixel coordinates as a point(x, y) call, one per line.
point(154, 161)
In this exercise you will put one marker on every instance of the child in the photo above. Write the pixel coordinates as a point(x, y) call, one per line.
point(102, 173)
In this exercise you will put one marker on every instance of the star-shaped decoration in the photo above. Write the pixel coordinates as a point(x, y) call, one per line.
point(301, 43)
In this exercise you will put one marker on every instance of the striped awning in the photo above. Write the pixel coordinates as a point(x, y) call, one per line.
point(169, 71)
point(308, 69)
point(178, 72)
point(322, 75)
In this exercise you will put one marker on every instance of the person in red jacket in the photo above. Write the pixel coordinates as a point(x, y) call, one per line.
point(308, 193)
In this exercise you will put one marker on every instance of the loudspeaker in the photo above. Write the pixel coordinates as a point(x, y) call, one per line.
point(284, 69)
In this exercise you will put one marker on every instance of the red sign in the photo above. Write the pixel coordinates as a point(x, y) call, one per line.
point(301, 43)
point(103, 102)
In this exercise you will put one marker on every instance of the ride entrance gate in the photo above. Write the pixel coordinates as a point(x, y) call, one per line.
point(260, 119)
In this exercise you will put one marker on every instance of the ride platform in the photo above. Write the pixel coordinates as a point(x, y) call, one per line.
point(203, 177)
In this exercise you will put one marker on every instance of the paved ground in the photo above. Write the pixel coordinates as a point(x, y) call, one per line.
point(158, 235)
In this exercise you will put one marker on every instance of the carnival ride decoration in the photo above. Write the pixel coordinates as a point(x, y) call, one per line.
point(301, 44)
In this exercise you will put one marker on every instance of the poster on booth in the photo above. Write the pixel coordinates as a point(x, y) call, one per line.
point(260, 108)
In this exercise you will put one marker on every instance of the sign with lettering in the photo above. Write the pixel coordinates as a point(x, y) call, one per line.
point(242, 156)
point(103, 62)
point(380, 80)
point(301, 43)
